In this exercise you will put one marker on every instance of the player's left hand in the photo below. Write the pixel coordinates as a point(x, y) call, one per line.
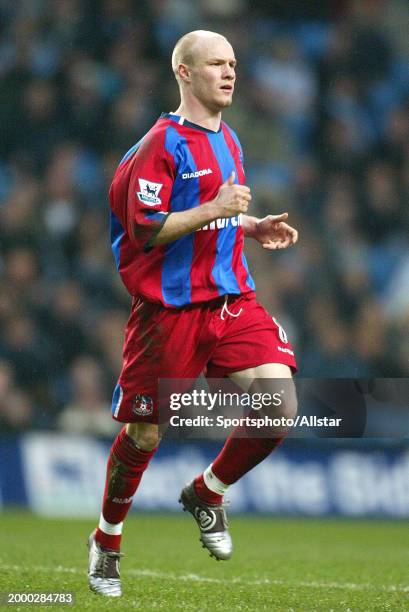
point(273, 233)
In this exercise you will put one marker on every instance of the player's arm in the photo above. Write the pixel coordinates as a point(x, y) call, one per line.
point(271, 232)
point(230, 201)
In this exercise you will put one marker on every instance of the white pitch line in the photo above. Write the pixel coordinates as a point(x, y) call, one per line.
point(268, 581)
point(146, 573)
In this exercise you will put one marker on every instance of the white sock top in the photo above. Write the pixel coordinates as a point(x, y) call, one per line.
point(213, 483)
point(110, 528)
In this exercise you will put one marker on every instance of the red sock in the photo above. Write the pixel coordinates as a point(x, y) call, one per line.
point(241, 453)
point(126, 465)
point(237, 457)
point(204, 493)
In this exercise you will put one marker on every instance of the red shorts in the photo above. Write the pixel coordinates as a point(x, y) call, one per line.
point(181, 343)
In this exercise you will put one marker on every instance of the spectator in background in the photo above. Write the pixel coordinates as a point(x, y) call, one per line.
point(64, 323)
point(87, 410)
point(16, 409)
point(287, 88)
point(39, 127)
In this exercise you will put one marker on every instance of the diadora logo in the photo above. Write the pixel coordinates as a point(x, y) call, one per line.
point(189, 175)
point(149, 192)
point(207, 519)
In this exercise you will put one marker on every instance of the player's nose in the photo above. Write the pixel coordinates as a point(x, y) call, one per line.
point(229, 73)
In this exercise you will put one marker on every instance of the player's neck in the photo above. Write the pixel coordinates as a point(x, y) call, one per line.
point(198, 114)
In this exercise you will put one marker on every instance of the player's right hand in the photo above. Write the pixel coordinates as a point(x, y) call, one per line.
point(232, 199)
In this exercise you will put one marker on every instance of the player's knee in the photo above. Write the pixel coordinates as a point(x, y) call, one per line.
point(285, 419)
point(281, 398)
point(287, 410)
point(282, 418)
point(282, 411)
point(145, 435)
point(149, 441)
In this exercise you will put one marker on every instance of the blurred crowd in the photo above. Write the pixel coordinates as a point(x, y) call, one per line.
point(322, 110)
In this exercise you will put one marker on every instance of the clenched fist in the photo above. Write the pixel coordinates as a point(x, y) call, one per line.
point(232, 199)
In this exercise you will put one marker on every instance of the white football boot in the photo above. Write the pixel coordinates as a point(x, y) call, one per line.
point(103, 569)
point(212, 522)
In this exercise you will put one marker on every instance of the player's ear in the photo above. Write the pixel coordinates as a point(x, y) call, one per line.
point(184, 73)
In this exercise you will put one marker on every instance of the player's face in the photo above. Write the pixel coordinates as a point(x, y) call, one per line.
point(213, 73)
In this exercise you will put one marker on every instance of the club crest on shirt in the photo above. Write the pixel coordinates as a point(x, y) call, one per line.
point(143, 405)
point(149, 192)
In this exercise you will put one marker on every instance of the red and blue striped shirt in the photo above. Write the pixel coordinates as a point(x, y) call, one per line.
point(175, 167)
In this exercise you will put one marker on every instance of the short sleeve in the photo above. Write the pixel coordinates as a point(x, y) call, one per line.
point(150, 188)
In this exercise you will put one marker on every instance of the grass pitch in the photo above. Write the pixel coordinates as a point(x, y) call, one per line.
point(291, 565)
